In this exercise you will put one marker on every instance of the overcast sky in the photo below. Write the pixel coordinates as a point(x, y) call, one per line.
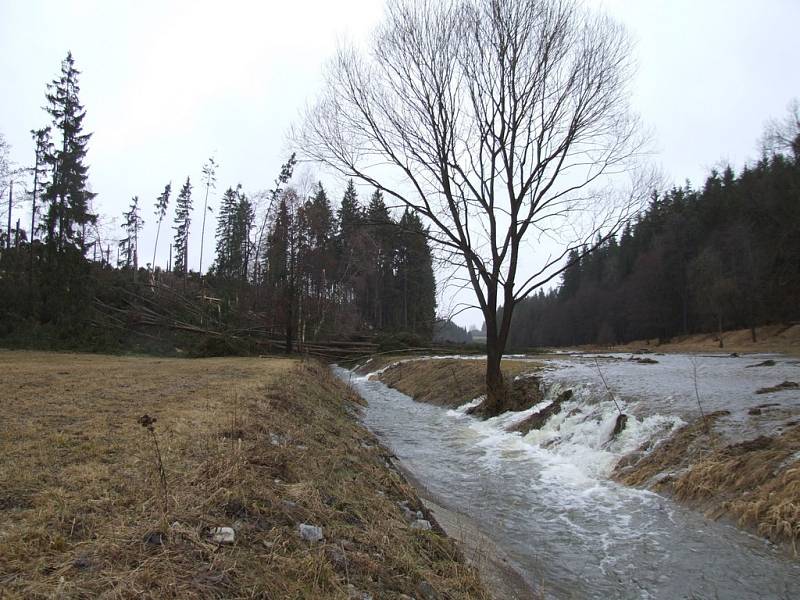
point(167, 84)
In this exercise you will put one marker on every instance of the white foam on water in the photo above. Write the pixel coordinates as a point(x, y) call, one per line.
point(462, 410)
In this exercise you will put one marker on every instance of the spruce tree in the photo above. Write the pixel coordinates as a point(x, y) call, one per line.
point(417, 284)
point(383, 233)
point(162, 203)
point(129, 246)
point(262, 242)
point(67, 194)
point(320, 258)
point(245, 218)
point(351, 215)
point(224, 233)
point(234, 224)
point(183, 218)
point(349, 243)
point(43, 149)
point(210, 180)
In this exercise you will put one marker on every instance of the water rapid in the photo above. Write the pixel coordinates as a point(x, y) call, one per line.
point(547, 500)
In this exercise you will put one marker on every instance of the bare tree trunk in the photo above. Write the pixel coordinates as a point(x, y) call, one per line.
point(10, 200)
point(135, 250)
point(33, 220)
point(155, 247)
point(203, 232)
point(495, 384)
point(289, 324)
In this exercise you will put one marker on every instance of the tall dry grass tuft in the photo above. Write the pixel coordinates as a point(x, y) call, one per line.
point(755, 482)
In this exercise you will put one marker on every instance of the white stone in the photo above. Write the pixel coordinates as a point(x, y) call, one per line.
point(222, 535)
point(421, 524)
point(311, 533)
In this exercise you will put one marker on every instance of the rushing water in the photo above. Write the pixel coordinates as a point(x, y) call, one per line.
point(547, 499)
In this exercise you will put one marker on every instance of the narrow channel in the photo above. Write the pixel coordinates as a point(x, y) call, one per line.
point(548, 502)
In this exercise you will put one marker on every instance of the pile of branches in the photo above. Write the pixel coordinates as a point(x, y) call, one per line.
point(158, 306)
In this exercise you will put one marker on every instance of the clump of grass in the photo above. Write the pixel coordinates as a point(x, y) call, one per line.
point(756, 482)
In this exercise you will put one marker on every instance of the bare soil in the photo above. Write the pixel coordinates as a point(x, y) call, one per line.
point(258, 445)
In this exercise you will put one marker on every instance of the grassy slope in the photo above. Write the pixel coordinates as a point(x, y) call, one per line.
point(447, 382)
point(756, 483)
point(770, 338)
point(259, 445)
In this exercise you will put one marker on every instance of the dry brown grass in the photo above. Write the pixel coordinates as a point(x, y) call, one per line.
point(258, 445)
point(447, 382)
point(756, 483)
point(769, 338)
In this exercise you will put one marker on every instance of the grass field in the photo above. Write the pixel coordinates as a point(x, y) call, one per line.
point(258, 445)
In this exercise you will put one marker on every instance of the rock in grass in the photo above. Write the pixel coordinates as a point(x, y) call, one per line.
point(310, 533)
point(153, 538)
point(355, 594)
point(426, 591)
point(222, 535)
point(421, 524)
point(407, 512)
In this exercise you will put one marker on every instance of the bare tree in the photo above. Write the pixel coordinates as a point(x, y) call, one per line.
point(6, 182)
point(784, 135)
point(497, 122)
point(162, 203)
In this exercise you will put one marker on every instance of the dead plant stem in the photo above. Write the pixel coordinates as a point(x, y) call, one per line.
point(605, 383)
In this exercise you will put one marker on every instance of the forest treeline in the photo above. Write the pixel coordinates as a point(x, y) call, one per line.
point(725, 256)
point(291, 267)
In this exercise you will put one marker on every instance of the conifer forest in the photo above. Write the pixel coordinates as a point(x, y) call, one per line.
point(288, 267)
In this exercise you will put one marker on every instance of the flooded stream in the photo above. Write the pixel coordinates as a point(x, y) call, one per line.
point(547, 500)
